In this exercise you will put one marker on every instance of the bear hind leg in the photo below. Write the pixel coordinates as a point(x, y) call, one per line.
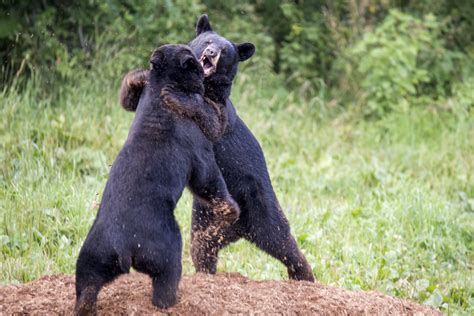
point(91, 276)
point(275, 239)
point(165, 287)
point(163, 266)
point(94, 269)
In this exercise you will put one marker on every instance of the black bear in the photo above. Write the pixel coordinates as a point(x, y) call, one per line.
point(243, 166)
point(164, 152)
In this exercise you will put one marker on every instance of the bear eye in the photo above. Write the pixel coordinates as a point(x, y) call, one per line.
point(209, 42)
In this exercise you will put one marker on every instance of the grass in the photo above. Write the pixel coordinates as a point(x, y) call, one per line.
point(384, 205)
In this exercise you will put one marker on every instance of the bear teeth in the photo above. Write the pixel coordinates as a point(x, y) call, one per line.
point(207, 65)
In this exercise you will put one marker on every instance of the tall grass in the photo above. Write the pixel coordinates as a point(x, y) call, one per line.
point(386, 205)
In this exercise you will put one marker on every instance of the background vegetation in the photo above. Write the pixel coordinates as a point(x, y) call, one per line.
point(364, 110)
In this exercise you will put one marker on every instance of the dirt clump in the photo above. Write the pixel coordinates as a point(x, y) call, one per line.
point(201, 294)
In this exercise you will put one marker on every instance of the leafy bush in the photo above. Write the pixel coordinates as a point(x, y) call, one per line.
point(56, 40)
point(307, 51)
point(462, 100)
point(362, 51)
point(403, 59)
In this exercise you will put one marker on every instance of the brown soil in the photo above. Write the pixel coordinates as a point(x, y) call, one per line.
point(204, 294)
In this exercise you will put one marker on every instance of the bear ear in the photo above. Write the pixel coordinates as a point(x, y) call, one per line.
point(203, 24)
point(246, 50)
point(157, 58)
point(187, 61)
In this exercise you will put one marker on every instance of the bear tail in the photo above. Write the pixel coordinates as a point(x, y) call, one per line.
point(132, 87)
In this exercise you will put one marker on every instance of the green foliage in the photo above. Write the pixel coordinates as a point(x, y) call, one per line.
point(382, 204)
point(306, 35)
point(463, 96)
point(56, 39)
point(42, 36)
point(401, 63)
point(381, 55)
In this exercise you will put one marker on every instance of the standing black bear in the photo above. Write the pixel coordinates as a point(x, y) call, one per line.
point(243, 166)
point(164, 152)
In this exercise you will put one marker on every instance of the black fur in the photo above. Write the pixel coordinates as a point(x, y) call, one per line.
point(243, 166)
point(164, 152)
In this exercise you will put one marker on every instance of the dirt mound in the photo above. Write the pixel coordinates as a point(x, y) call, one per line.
point(204, 294)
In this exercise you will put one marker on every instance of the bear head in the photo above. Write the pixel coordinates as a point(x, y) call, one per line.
point(177, 65)
point(218, 56)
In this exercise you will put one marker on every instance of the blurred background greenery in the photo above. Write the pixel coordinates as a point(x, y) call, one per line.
point(381, 55)
point(364, 109)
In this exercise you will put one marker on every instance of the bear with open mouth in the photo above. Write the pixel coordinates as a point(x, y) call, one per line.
point(242, 163)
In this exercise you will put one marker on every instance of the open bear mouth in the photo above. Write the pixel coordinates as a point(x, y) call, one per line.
point(209, 64)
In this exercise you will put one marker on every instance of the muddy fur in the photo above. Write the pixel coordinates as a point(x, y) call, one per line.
point(213, 126)
point(211, 119)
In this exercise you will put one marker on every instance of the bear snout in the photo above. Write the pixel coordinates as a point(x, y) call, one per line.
point(210, 51)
